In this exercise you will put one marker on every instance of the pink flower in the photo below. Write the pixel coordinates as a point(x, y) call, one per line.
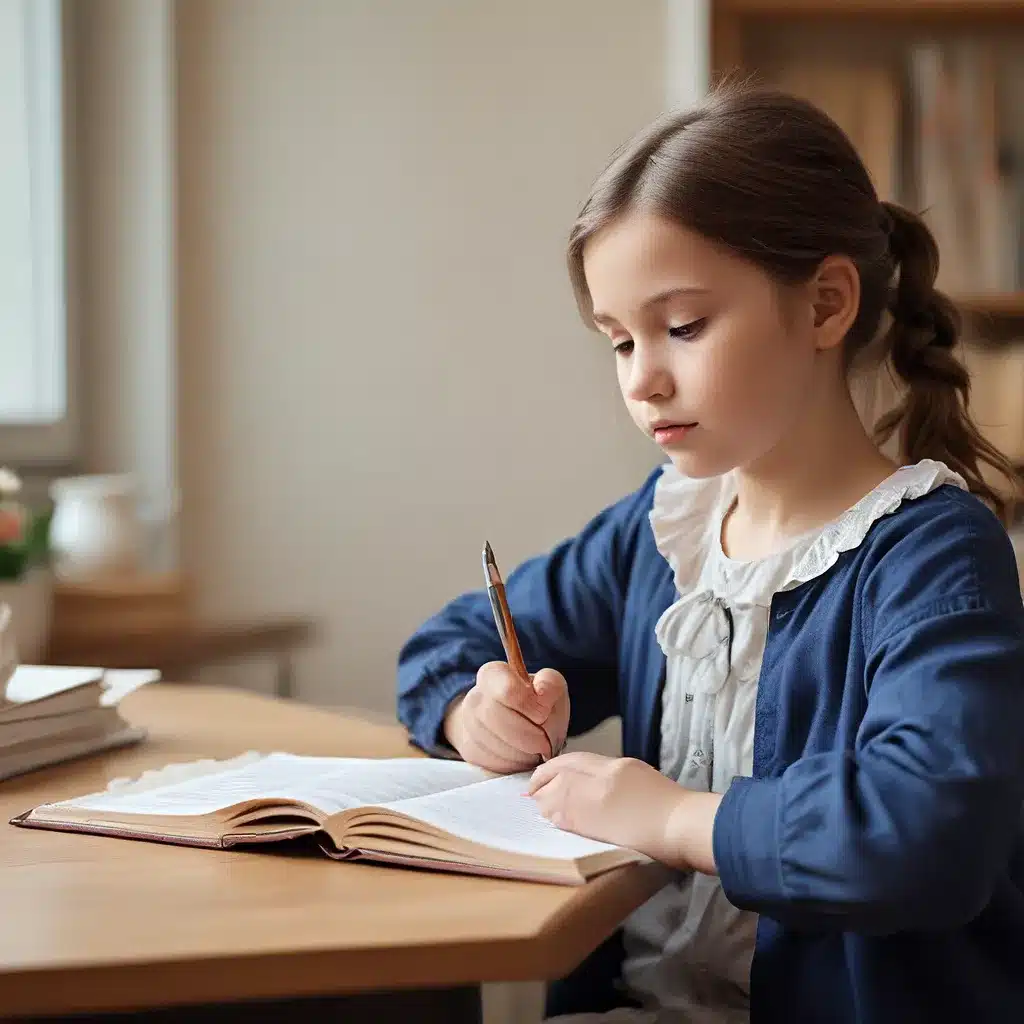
point(12, 525)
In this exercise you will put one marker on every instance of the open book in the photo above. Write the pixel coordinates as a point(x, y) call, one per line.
point(438, 814)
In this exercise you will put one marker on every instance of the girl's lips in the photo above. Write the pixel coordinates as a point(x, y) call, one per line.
point(672, 433)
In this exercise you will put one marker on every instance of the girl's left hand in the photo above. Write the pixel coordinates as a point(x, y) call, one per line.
point(624, 801)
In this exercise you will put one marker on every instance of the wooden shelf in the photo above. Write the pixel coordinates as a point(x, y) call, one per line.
point(900, 9)
point(1001, 304)
point(733, 20)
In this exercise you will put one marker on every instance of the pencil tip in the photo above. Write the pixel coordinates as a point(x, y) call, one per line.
point(490, 566)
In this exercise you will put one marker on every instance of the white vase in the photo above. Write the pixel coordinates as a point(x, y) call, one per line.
point(30, 599)
point(95, 530)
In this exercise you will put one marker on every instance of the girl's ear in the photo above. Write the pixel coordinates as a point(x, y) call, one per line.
point(835, 299)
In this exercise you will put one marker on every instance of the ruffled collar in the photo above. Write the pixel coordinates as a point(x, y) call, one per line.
point(687, 513)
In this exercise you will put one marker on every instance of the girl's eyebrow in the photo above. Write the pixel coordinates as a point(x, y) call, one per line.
point(671, 293)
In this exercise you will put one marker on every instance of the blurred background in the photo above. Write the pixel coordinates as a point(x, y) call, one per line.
point(317, 304)
point(283, 291)
point(285, 326)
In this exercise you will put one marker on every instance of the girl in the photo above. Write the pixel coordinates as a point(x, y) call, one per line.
point(817, 654)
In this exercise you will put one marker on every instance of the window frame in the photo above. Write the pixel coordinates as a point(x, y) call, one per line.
point(56, 442)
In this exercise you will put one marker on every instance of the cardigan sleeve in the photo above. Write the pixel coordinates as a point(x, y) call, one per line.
point(567, 607)
point(911, 827)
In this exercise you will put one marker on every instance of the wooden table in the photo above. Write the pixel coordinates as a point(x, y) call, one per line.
point(98, 924)
point(179, 651)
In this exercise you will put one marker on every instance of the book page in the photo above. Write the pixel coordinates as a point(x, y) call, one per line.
point(119, 682)
point(37, 682)
point(330, 784)
point(498, 813)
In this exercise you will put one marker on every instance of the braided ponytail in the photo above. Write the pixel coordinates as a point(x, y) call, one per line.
point(933, 417)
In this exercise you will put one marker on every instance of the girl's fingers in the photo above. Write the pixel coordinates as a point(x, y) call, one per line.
point(581, 761)
point(542, 775)
point(515, 730)
point(507, 758)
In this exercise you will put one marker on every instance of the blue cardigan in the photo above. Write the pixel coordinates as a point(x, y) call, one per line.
point(881, 837)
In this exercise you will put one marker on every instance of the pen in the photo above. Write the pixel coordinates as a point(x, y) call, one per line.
point(506, 627)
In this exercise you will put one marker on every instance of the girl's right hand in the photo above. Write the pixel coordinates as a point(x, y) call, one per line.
point(506, 726)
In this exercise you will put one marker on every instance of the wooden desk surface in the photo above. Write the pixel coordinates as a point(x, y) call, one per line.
point(93, 923)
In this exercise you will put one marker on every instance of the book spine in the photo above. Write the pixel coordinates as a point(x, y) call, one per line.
point(26, 820)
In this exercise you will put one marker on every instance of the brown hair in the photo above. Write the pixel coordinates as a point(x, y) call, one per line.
point(775, 180)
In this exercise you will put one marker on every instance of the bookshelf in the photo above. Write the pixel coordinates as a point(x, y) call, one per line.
point(930, 91)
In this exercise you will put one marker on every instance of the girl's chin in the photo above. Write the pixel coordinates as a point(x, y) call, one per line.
point(698, 467)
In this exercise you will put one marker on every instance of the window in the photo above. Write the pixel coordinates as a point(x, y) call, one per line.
point(36, 422)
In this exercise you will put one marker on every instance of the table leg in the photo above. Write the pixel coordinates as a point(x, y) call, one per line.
point(285, 677)
point(415, 1006)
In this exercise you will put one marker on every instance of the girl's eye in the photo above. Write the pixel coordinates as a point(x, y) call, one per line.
point(687, 332)
point(623, 348)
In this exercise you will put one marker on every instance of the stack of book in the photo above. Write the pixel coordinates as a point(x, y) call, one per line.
point(50, 714)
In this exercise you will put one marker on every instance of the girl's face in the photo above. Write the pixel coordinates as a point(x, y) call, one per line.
point(710, 364)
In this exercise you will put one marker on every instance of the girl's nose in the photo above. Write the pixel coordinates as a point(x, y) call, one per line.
point(648, 375)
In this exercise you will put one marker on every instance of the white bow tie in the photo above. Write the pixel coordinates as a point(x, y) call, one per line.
point(699, 627)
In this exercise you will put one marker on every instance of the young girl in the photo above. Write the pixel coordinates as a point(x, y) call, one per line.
point(817, 654)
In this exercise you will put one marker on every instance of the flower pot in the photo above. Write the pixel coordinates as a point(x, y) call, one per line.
point(30, 599)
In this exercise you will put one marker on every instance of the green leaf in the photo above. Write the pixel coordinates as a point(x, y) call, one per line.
point(37, 539)
point(12, 562)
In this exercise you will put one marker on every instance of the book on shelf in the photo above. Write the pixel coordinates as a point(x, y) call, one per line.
point(418, 812)
point(965, 150)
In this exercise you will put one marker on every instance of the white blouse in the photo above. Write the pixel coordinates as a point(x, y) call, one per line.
point(688, 950)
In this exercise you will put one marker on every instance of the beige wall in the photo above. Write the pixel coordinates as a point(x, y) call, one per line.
point(380, 361)
point(122, 63)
